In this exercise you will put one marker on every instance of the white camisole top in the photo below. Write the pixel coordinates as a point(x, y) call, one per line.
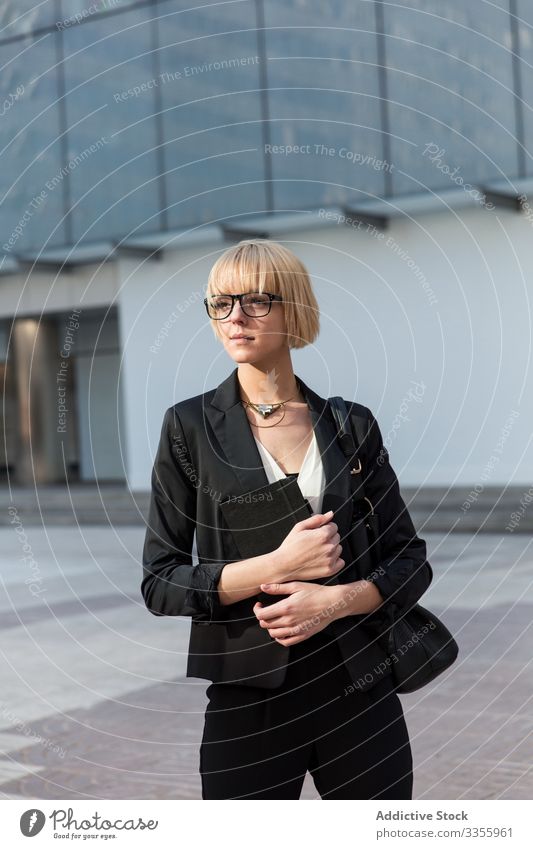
point(311, 478)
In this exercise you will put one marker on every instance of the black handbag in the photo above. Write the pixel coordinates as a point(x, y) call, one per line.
point(418, 644)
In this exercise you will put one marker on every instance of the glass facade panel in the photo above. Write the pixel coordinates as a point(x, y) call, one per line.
point(324, 102)
point(30, 153)
point(112, 133)
point(79, 11)
point(450, 87)
point(21, 17)
point(209, 81)
point(524, 11)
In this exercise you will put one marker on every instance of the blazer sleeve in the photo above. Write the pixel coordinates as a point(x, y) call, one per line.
point(171, 584)
point(404, 573)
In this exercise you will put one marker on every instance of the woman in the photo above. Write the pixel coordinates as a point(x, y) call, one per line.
point(300, 681)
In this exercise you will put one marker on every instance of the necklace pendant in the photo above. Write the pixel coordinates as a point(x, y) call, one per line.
point(265, 409)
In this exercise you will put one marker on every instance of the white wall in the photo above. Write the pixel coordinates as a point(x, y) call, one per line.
point(456, 329)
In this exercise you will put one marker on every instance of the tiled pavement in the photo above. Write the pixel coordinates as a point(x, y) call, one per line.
point(95, 703)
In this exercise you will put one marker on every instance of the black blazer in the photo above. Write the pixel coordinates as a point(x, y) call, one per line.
point(206, 453)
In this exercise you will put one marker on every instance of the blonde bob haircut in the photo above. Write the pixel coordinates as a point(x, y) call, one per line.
point(259, 265)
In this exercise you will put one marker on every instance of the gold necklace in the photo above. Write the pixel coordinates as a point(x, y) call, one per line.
point(267, 409)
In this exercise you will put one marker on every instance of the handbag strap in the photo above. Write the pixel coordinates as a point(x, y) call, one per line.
point(350, 437)
point(351, 433)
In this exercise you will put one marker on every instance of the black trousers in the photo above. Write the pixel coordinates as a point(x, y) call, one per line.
point(259, 744)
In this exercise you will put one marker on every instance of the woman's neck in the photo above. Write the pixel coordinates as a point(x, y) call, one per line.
point(268, 386)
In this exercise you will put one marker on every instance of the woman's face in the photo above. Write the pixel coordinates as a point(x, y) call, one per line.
point(265, 336)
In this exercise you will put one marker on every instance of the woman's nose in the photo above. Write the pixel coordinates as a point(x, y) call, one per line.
point(237, 311)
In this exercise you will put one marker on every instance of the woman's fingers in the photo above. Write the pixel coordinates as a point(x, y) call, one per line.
point(290, 641)
point(282, 632)
point(270, 612)
point(280, 622)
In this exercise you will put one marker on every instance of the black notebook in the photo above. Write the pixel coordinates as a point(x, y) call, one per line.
point(260, 520)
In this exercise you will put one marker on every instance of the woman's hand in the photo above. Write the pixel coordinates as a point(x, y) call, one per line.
point(308, 610)
point(310, 550)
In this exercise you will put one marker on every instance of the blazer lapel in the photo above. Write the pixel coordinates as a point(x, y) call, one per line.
point(232, 429)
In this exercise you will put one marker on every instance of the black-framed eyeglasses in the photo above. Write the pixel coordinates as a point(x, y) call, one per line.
point(253, 304)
